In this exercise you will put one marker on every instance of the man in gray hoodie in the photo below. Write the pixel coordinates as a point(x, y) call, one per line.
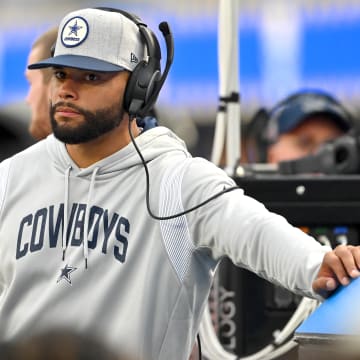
point(116, 232)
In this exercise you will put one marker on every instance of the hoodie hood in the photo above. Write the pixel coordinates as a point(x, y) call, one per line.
point(153, 143)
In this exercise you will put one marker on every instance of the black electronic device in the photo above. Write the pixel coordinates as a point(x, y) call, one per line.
point(338, 156)
point(326, 207)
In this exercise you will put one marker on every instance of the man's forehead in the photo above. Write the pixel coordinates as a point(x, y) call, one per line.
point(34, 55)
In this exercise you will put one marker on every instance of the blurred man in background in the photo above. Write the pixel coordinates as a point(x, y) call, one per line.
point(296, 126)
point(37, 97)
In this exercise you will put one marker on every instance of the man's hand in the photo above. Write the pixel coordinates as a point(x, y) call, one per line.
point(338, 267)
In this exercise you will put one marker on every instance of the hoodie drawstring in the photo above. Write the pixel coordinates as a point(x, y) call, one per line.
point(87, 214)
point(66, 205)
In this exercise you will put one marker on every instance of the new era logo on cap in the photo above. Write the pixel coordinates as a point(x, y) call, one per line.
point(133, 58)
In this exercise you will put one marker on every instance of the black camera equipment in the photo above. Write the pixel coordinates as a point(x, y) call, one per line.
point(319, 194)
point(339, 156)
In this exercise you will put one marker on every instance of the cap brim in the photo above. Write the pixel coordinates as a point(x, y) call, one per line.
point(77, 62)
point(295, 118)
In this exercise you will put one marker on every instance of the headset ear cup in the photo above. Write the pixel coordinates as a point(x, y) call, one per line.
point(141, 86)
point(131, 85)
point(152, 86)
point(146, 80)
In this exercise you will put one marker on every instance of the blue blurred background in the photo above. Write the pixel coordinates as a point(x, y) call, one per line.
point(284, 46)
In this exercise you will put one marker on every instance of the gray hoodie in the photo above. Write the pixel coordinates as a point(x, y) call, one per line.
point(137, 283)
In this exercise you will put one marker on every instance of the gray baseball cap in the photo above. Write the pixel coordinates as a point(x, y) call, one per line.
point(98, 40)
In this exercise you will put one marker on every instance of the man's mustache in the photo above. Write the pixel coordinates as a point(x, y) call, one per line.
point(69, 105)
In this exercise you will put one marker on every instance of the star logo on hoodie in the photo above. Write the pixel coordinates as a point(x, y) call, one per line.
point(65, 273)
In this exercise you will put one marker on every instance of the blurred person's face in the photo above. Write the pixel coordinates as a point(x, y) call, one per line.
point(303, 140)
point(37, 99)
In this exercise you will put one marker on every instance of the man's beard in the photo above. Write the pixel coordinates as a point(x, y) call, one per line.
point(94, 125)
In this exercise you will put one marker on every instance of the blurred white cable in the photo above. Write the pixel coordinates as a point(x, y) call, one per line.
point(213, 349)
point(324, 240)
point(210, 344)
point(304, 309)
point(280, 350)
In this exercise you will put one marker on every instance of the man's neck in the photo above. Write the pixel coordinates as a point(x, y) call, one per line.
point(86, 154)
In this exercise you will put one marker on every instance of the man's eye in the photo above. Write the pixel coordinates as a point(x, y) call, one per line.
point(59, 74)
point(305, 141)
point(92, 77)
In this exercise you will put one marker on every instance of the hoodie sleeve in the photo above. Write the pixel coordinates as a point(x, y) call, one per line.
point(241, 228)
point(4, 175)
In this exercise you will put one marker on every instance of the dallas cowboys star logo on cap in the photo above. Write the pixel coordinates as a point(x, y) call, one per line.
point(65, 273)
point(74, 31)
point(74, 28)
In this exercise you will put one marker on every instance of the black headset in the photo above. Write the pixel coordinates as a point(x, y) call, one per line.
point(146, 80)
